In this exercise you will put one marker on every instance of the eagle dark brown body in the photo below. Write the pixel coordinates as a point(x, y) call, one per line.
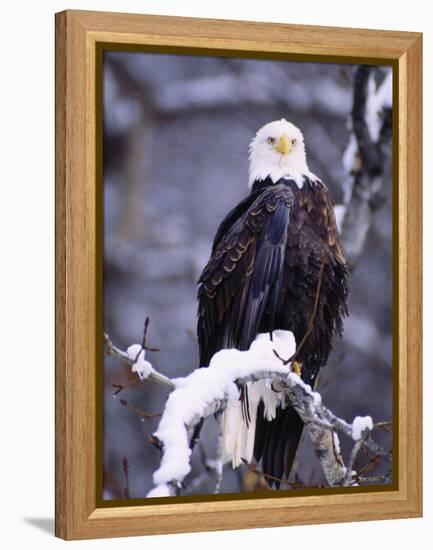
point(276, 263)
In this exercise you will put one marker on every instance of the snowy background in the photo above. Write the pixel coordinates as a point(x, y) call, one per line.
point(176, 133)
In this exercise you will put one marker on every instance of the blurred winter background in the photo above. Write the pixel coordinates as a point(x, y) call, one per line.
point(176, 134)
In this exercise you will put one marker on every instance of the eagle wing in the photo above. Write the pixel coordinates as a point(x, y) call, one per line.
point(239, 286)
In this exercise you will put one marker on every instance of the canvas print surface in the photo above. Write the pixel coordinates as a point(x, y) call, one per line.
point(248, 276)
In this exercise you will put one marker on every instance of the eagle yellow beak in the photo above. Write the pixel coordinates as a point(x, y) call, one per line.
point(284, 146)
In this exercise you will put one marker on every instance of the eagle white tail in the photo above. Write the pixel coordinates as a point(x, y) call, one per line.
point(238, 436)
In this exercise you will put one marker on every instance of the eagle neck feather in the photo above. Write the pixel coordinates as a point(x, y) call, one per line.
point(308, 180)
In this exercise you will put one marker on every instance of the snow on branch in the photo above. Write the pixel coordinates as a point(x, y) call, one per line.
point(364, 159)
point(213, 390)
point(134, 358)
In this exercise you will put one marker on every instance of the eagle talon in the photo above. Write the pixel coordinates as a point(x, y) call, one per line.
point(297, 368)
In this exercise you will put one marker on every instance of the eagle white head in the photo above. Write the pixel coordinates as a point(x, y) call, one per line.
point(278, 151)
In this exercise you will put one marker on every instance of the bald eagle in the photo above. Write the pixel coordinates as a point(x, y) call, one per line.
point(276, 264)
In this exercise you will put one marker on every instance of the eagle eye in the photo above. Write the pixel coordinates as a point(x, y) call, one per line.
point(271, 140)
point(293, 141)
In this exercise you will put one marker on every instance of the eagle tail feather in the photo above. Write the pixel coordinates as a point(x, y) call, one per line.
point(239, 436)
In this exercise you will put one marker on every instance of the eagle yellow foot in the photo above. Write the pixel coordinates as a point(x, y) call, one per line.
point(297, 368)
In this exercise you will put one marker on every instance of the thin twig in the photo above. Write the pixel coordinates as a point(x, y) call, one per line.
point(385, 478)
point(385, 426)
point(280, 480)
point(372, 463)
point(140, 413)
point(121, 387)
point(126, 474)
point(143, 340)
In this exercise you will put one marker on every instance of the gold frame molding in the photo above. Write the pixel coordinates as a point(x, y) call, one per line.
point(79, 36)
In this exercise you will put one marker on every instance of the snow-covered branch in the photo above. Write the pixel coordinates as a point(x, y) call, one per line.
point(363, 159)
point(215, 391)
point(134, 357)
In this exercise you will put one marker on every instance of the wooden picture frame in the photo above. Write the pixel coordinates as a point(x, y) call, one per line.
point(80, 35)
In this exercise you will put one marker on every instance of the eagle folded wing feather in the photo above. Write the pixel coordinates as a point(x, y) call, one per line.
point(240, 287)
point(242, 279)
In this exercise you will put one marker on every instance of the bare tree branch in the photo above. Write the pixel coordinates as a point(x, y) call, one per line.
point(364, 159)
point(219, 460)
